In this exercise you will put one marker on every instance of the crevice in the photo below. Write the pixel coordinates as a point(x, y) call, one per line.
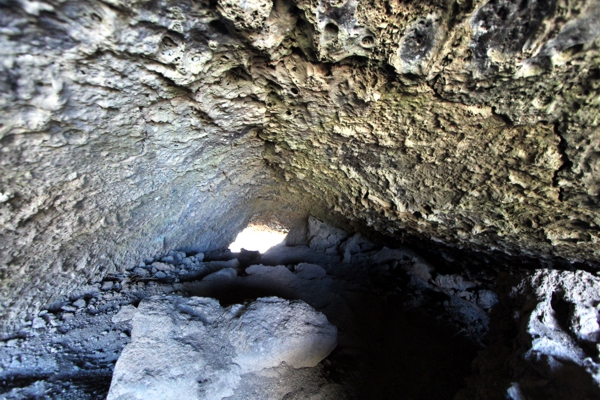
point(566, 163)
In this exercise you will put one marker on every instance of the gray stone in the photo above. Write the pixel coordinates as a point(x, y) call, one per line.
point(310, 271)
point(193, 348)
point(67, 316)
point(452, 282)
point(187, 261)
point(178, 256)
point(38, 323)
point(125, 314)
point(486, 299)
point(79, 303)
point(161, 275)
point(159, 266)
point(355, 245)
point(167, 259)
point(107, 285)
point(322, 236)
point(143, 272)
point(298, 234)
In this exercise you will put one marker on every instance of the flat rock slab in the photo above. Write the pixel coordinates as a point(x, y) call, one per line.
point(187, 348)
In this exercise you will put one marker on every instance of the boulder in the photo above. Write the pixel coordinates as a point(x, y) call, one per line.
point(186, 348)
point(322, 236)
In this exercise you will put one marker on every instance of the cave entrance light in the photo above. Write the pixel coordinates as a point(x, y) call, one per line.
point(257, 237)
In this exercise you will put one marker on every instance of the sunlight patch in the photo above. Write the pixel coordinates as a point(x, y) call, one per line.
point(257, 237)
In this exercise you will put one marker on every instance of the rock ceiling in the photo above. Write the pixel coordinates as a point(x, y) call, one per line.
point(138, 127)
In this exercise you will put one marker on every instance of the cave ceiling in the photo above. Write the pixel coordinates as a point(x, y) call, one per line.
point(138, 127)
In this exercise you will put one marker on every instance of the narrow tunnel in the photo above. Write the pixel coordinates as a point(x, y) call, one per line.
point(290, 199)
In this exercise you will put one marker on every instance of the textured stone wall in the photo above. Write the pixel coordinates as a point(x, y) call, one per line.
point(471, 125)
point(136, 127)
point(109, 154)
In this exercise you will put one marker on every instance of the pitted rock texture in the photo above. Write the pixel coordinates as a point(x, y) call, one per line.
point(193, 348)
point(132, 128)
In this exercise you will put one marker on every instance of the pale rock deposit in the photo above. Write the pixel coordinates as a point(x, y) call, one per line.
point(188, 348)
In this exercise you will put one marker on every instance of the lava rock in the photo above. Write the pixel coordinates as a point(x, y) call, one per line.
point(67, 316)
point(556, 338)
point(38, 323)
point(142, 272)
point(322, 236)
point(161, 266)
point(192, 347)
point(79, 303)
point(486, 299)
point(452, 282)
point(187, 261)
point(125, 314)
point(167, 259)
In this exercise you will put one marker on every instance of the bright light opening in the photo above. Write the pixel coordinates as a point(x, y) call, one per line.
point(257, 237)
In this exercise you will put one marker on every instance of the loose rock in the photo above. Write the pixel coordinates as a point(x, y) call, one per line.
point(192, 347)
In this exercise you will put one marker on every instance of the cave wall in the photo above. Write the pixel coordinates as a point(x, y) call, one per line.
point(106, 160)
point(130, 128)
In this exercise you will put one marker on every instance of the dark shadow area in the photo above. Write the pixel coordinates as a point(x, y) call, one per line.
point(419, 358)
point(239, 294)
point(88, 384)
point(388, 347)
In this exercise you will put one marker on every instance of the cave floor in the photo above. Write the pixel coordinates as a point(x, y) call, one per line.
point(397, 337)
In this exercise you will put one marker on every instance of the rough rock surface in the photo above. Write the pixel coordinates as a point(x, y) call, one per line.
point(107, 157)
point(381, 305)
point(188, 348)
point(409, 325)
point(138, 127)
point(545, 341)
